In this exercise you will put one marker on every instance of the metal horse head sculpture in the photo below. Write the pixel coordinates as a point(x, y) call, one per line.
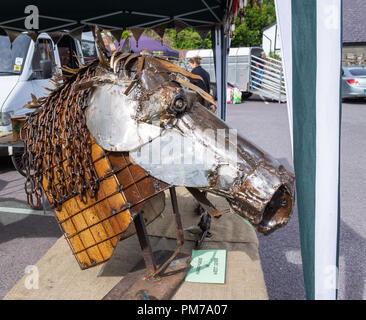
point(143, 108)
point(146, 108)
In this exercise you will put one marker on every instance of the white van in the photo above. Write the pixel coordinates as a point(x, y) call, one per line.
point(26, 67)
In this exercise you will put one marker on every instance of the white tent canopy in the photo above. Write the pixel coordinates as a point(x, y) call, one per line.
point(311, 47)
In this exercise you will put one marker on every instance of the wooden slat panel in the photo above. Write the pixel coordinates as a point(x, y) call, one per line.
point(90, 216)
point(137, 172)
point(132, 194)
point(94, 228)
point(83, 259)
point(62, 214)
point(97, 152)
point(77, 244)
point(102, 167)
point(98, 233)
point(116, 202)
point(124, 219)
point(116, 226)
point(146, 188)
point(68, 227)
point(106, 248)
point(87, 238)
point(89, 201)
point(103, 210)
point(115, 240)
point(117, 161)
point(109, 186)
point(125, 177)
point(95, 255)
point(79, 222)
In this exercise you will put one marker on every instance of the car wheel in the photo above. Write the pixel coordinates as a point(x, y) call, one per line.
point(16, 158)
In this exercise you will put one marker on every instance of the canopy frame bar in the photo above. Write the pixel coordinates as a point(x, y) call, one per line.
point(70, 23)
point(163, 18)
point(210, 9)
point(199, 21)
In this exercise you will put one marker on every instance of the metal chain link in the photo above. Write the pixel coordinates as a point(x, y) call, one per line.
point(57, 146)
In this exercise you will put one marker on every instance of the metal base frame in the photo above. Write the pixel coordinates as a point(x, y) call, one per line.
point(164, 271)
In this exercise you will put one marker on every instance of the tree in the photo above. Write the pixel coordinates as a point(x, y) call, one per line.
point(249, 33)
point(188, 39)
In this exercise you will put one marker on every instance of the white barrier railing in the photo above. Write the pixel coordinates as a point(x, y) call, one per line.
point(266, 78)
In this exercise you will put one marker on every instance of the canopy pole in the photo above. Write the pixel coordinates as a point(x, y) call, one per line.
point(221, 47)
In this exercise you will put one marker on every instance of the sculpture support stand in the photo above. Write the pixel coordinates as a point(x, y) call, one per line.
point(145, 243)
point(161, 277)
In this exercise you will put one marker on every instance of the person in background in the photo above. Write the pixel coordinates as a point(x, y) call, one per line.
point(263, 55)
point(195, 65)
point(260, 70)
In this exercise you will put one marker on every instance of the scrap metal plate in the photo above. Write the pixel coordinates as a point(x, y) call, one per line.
point(135, 287)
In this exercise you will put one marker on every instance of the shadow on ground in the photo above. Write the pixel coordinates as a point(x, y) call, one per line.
point(27, 226)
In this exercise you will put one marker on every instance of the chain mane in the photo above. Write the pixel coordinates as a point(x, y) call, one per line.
point(57, 143)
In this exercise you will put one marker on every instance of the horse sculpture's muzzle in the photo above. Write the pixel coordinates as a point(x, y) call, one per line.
point(257, 186)
point(265, 198)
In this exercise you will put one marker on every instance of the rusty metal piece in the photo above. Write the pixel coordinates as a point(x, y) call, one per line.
point(159, 283)
point(133, 284)
point(99, 44)
point(153, 272)
point(56, 133)
point(205, 225)
point(205, 203)
point(144, 243)
point(201, 92)
point(179, 233)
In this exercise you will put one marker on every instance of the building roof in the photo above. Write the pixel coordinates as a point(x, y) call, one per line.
point(354, 21)
point(269, 26)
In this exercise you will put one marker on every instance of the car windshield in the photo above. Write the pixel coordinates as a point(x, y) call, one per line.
point(12, 57)
point(358, 72)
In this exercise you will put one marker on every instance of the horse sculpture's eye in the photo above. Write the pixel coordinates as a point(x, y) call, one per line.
point(179, 104)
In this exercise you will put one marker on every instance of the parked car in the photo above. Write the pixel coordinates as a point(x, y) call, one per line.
point(354, 82)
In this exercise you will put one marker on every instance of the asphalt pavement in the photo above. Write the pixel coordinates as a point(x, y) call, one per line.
point(26, 237)
point(266, 124)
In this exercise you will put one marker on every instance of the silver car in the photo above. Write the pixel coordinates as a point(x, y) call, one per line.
point(354, 82)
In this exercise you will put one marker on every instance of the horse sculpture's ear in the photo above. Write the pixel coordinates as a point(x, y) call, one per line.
point(126, 47)
point(99, 44)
